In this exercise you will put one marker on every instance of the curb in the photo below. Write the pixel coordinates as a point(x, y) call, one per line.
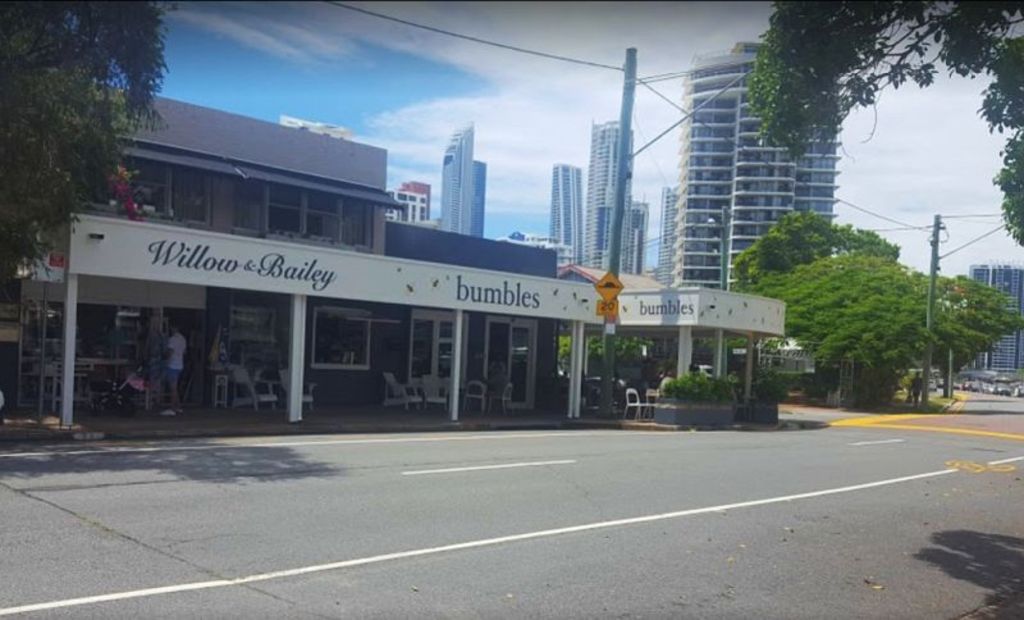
point(470, 426)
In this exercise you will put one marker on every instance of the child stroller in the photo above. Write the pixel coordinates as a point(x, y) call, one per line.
point(115, 397)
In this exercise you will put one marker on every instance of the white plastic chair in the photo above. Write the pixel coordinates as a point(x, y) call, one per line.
point(475, 390)
point(396, 393)
point(633, 402)
point(308, 387)
point(240, 377)
point(434, 391)
point(505, 398)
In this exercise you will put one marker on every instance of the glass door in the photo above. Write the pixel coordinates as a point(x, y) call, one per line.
point(431, 344)
point(511, 350)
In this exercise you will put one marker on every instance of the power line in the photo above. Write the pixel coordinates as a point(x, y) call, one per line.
point(663, 97)
point(878, 230)
point(975, 240)
point(878, 215)
point(687, 115)
point(466, 37)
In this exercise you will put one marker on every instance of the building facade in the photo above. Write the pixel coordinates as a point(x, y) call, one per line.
point(634, 238)
point(269, 249)
point(732, 185)
point(1008, 354)
point(563, 252)
point(476, 226)
point(567, 209)
point(604, 161)
point(416, 203)
point(457, 177)
point(667, 239)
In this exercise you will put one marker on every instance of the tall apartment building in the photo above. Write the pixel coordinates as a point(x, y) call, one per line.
point(457, 177)
point(667, 239)
point(567, 209)
point(476, 223)
point(726, 169)
point(1008, 353)
point(634, 238)
point(415, 200)
point(604, 162)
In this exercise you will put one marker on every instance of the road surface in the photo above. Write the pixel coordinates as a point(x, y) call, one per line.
point(833, 523)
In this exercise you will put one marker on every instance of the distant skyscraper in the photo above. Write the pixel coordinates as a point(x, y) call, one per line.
point(634, 238)
point(726, 167)
point(417, 187)
point(457, 183)
point(567, 208)
point(1008, 353)
point(604, 160)
point(667, 242)
point(476, 226)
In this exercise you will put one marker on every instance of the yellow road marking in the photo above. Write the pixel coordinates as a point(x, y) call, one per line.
point(946, 429)
point(978, 468)
point(882, 419)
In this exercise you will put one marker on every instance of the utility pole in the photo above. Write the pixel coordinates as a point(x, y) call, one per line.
point(929, 321)
point(625, 166)
point(721, 343)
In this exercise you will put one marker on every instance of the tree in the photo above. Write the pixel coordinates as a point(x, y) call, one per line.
point(800, 238)
point(74, 78)
point(856, 308)
point(870, 310)
point(820, 60)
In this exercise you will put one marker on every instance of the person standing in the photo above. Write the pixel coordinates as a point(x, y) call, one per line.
point(176, 346)
point(916, 385)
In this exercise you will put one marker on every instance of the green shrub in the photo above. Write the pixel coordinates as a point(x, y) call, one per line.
point(770, 387)
point(698, 387)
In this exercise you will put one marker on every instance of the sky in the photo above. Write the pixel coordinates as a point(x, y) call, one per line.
point(916, 154)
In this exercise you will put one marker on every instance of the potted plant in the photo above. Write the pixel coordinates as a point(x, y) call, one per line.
point(769, 389)
point(696, 399)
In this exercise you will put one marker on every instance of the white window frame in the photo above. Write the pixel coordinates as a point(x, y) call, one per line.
point(341, 312)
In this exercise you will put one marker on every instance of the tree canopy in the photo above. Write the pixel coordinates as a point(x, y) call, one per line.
point(800, 238)
point(74, 78)
point(821, 60)
point(870, 310)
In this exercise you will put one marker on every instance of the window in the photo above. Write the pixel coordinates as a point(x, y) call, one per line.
point(190, 195)
point(354, 221)
point(149, 187)
point(284, 209)
point(322, 216)
point(249, 205)
point(339, 340)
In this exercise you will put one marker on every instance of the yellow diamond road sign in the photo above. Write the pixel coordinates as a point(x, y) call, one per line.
point(609, 286)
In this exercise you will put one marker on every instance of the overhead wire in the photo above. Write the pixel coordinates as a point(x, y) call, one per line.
point(466, 37)
point(689, 114)
point(973, 241)
point(878, 215)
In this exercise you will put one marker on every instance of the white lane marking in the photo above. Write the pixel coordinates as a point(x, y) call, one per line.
point(326, 442)
point(877, 442)
point(1010, 460)
point(452, 470)
point(473, 544)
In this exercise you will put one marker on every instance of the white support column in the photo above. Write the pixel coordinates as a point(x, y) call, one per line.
point(748, 378)
point(684, 356)
point(453, 392)
point(720, 357)
point(297, 359)
point(575, 368)
point(582, 355)
point(67, 392)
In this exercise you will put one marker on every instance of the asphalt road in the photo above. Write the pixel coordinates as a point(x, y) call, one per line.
point(834, 523)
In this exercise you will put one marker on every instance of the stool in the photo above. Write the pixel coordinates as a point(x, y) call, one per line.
point(220, 391)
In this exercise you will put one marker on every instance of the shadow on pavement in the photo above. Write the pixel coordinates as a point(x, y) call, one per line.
point(991, 561)
point(219, 465)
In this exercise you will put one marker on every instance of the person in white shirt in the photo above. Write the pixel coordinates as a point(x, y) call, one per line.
point(176, 346)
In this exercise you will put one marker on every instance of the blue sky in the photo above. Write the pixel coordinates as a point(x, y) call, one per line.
point(407, 91)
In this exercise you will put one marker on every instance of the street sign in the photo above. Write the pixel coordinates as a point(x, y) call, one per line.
point(608, 308)
point(609, 287)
